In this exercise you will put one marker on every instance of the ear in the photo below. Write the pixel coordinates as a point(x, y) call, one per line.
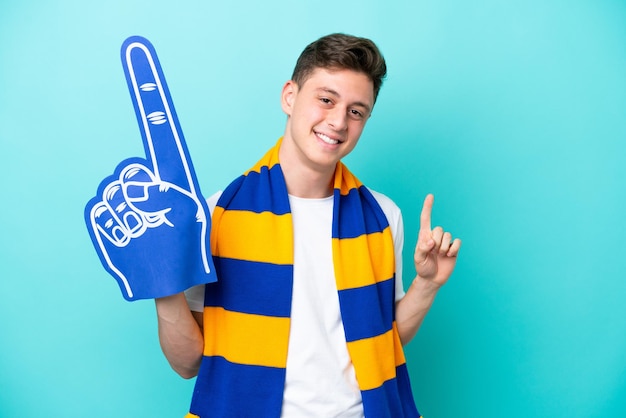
point(288, 96)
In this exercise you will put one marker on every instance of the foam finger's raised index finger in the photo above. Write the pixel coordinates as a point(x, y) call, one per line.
point(163, 139)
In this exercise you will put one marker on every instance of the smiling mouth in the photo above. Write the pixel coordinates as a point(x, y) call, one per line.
point(327, 139)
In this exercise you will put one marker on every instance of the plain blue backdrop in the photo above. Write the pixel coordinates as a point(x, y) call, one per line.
point(513, 113)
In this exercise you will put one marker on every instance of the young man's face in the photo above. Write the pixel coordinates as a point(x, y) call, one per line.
point(327, 114)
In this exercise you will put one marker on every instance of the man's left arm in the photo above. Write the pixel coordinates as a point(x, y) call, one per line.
point(435, 258)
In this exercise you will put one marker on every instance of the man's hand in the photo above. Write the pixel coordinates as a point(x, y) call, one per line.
point(435, 252)
point(149, 222)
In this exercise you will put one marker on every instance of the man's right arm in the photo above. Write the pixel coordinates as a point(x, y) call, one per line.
point(180, 328)
point(180, 334)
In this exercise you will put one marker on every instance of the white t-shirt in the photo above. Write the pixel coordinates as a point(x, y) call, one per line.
point(320, 379)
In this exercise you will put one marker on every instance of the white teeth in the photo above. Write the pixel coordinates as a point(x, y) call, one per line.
point(327, 139)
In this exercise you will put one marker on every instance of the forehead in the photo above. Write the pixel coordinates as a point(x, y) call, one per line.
point(349, 84)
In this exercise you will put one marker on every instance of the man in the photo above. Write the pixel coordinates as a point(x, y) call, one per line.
point(308, 316)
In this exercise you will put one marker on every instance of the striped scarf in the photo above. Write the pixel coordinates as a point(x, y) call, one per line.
point(247, 312)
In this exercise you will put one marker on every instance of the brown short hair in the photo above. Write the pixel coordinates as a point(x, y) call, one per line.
point(341, 51)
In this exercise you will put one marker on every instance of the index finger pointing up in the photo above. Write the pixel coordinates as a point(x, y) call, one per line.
point(426, 212)
point(163, 139)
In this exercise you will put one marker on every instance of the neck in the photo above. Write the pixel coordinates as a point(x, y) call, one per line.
point(301, 182)
point(305, 181)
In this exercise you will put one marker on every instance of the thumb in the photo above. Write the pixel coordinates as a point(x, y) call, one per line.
point(144, 191)
point(157, 197)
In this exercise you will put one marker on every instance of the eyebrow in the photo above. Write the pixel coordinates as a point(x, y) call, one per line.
point(335, 93)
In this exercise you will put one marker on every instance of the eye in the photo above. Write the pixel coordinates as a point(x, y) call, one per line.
point(325, 100)
point(356, 114)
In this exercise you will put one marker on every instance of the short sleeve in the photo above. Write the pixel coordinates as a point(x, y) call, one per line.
point(195, 295)
point(394, 218)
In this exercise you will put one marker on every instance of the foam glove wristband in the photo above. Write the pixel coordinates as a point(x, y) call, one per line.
point(149, 223)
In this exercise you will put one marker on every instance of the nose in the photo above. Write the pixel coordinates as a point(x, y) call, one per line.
point(337, 118)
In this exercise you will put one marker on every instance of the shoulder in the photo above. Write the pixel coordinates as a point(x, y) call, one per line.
point(389, 207)
point(212, 200)
point(392, 213)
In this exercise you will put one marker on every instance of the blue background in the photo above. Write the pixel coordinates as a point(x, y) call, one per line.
point(512, 112)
